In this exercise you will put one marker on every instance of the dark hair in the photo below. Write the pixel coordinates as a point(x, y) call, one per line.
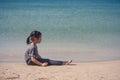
point(34, 34)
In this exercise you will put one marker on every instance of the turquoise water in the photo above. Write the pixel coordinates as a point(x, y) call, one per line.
point(72, 29)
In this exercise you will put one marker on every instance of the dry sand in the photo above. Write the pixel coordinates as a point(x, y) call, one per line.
point(109, 70)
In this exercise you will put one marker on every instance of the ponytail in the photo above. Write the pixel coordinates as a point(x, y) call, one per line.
point(28, 40)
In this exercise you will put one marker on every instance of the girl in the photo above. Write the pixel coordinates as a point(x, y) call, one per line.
point(33, 58)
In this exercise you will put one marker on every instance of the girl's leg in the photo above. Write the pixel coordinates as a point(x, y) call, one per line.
point(50, 62)
point(43, 60)
point(54, 62)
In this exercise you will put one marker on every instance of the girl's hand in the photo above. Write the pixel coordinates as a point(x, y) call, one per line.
point(44, 64)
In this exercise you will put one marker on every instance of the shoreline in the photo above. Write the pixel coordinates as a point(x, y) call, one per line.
point(108, 70)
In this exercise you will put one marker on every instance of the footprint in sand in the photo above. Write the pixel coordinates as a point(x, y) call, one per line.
point(16, 76)
point(37, 76)
point(42, 79)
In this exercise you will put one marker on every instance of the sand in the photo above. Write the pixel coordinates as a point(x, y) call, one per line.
point(109, 70)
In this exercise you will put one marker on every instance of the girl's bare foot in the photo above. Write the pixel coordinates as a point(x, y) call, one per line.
point(67, 62)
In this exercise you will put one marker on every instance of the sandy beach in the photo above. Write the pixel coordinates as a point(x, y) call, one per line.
point(85, 31)
point(108, 70)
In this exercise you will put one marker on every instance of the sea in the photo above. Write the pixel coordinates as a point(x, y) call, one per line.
point(78, 30)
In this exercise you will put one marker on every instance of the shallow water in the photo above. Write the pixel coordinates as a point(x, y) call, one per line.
point(78, 30)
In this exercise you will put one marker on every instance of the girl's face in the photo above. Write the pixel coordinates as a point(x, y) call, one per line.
point(38, 40)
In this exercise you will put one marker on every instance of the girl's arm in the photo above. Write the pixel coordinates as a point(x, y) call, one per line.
point(37, 62)
point(39, 55)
